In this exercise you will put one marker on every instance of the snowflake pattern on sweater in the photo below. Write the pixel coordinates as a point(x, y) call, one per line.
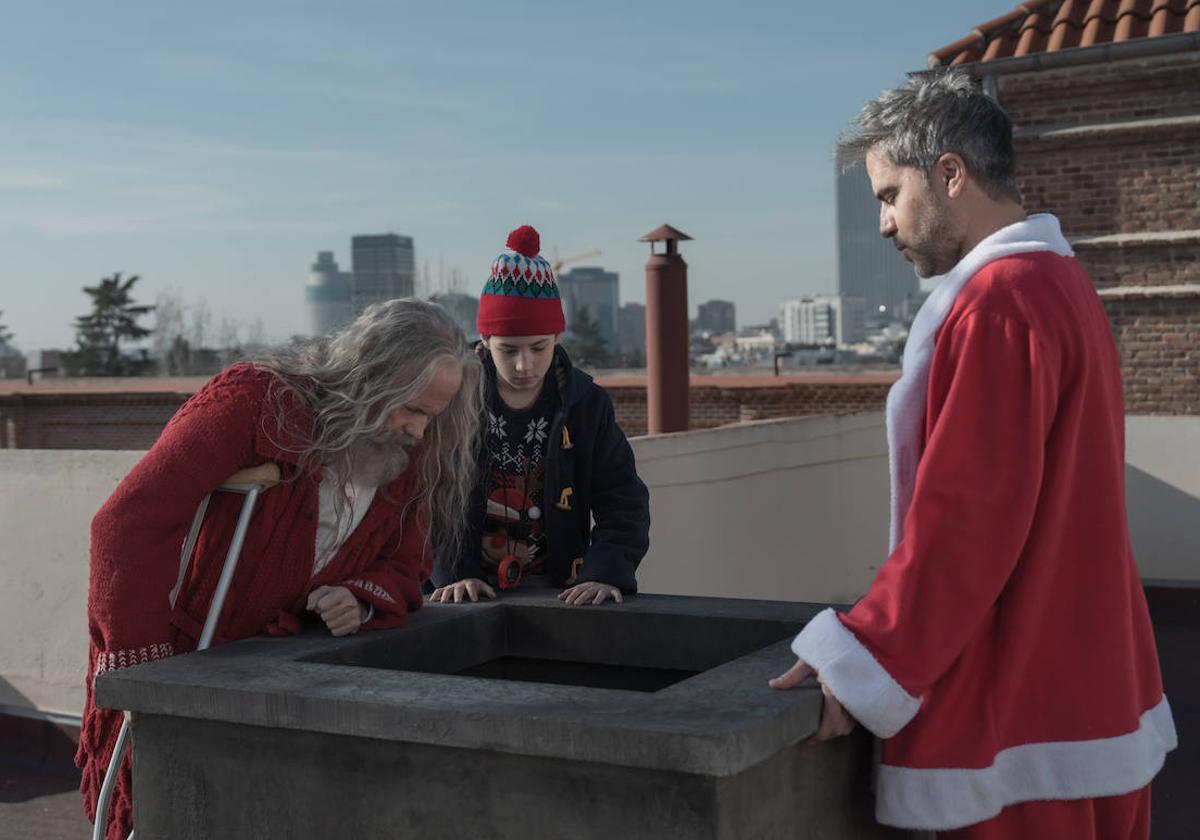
point(516, 443)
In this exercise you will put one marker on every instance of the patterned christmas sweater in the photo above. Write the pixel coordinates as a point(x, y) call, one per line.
point(516, 444)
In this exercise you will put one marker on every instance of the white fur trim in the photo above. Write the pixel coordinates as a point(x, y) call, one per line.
point(948, 798)
point(854, 675)
point(906, 399)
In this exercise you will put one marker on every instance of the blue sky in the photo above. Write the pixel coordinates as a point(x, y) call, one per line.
point(214, 148)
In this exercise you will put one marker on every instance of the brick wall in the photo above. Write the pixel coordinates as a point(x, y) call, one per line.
point(85, 421)
point(1113, 149)
point(712, 405)
point(1135, 262)
point(1158, 338)
point(1107, 181)
point(134, 421)
point(1146, 88)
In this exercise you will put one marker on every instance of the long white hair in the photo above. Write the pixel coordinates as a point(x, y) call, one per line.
point(352, 381)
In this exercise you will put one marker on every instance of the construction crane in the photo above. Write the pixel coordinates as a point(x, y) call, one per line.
point(556, 264)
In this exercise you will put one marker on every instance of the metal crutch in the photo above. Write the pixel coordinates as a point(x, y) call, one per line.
point(251, 492)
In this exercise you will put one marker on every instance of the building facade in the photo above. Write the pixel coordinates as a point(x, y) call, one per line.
point(823, 319)
point(329, 296)
point(1106, 118)
point(869, 267)
point(384, 268)
point(718, 317)
point(596, 289)
point(463, 308)
point(631, 330)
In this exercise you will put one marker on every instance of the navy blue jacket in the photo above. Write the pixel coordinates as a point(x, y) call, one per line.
point(590, 473)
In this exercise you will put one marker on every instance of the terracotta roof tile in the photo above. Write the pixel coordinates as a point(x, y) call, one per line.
point(1041, 26)
point(967, 56)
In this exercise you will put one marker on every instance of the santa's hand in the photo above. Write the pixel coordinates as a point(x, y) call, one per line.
point(590, 592)
point(453, 592)
point(342, 613)
point(835, 720)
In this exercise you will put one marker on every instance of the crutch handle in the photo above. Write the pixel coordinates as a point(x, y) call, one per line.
point(265, 475)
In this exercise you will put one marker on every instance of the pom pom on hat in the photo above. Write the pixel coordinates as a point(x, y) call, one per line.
point(525, 241)
point(521, 295)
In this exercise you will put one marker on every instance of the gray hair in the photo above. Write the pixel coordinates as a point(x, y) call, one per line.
point(932, 115)
point(352, 381)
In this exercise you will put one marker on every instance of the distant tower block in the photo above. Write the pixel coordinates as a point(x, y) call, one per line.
point(329, 295)
point(666, 334)
point(384, 268)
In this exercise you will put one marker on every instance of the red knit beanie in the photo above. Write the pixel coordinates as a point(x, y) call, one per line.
point(521, 296)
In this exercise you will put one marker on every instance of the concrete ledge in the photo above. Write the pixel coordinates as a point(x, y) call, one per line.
point(718, 723)
point(1144, 292)
point(1138, 128)
point(1139, 239)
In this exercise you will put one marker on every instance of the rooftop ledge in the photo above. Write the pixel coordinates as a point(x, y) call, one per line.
point(1066, 132)
point(1132, 292)
point(1136, 239)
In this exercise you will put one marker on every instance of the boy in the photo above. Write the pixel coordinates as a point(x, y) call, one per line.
point(553, 458)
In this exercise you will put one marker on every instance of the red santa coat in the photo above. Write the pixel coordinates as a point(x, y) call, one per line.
point(1004, 650)
point(136, 538)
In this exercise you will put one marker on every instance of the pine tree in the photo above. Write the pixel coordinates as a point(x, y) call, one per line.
point(98, 334)
point(5, 334)
point(586, 345)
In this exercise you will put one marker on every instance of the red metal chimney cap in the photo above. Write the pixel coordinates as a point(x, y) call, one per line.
point(664, 232)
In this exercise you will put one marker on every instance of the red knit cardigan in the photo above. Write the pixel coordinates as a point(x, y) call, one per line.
point(228, 425)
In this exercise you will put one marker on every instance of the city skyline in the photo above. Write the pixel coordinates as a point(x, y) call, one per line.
point(213, 151)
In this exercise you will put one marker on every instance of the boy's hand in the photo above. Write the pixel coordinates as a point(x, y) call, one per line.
point(590, 592)
point(342, 613)
point(454, 592)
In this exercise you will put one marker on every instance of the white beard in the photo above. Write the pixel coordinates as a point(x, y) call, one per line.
point(382, 460)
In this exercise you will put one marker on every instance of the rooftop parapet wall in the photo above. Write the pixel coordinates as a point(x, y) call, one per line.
point(61, 416)
point(722, 400)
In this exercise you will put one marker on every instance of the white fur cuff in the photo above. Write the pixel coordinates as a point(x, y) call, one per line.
point(854, 676)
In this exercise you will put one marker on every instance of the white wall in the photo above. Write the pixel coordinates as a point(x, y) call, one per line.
point(1162, 494)
point(791, 509)
point(47, 500)
point(787, 509)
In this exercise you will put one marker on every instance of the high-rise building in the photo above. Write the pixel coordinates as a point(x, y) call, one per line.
point(820, 319)
point(463, 308)
point(631, 329)
point(869, 266)
point(329, 296)
point(384, 268)
point(597, 290)
point(718, 317)
point(911, 305)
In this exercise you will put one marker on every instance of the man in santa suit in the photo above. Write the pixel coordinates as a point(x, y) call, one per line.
point(369, 436)
point(1004, 652)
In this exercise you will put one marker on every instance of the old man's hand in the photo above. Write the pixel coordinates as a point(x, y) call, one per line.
point(835, 720)
point(342, 613)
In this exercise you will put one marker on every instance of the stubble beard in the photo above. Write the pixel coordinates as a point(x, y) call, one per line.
point(934, 248)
